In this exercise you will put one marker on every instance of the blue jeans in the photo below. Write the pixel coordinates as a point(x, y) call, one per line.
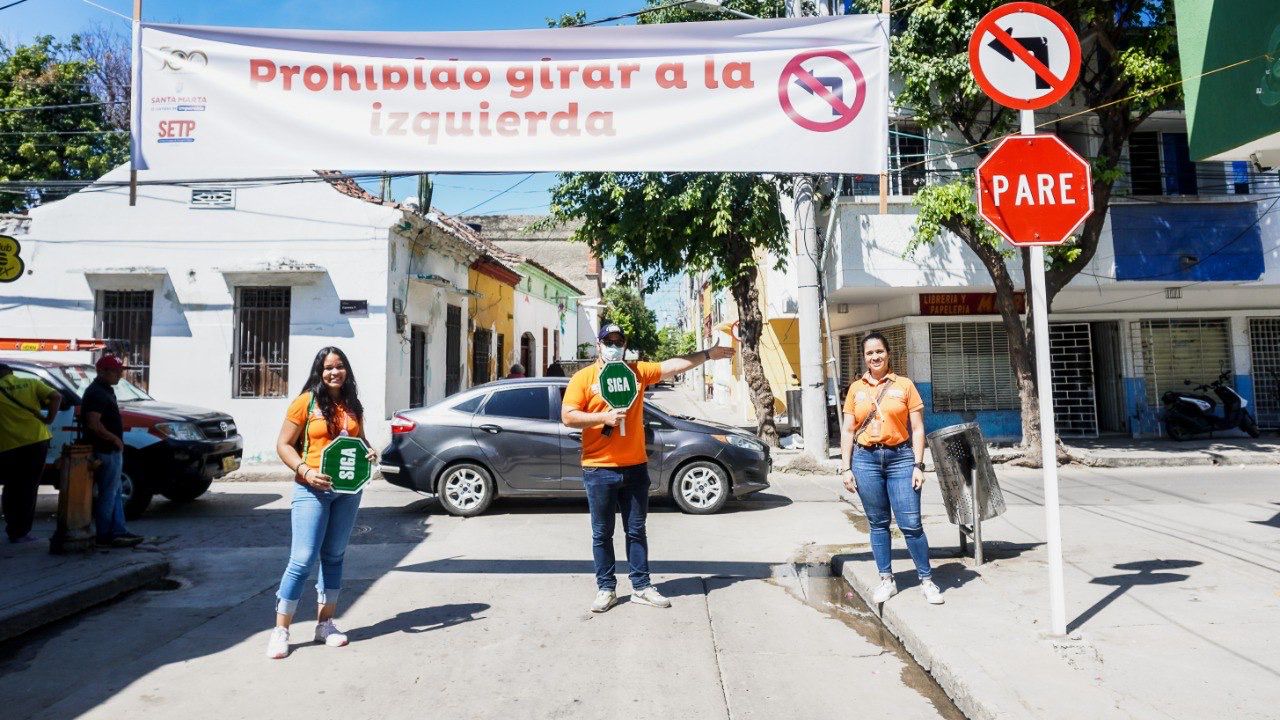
point(610, 490)
point(322, 523)
point(108, 505)
point(884, 484)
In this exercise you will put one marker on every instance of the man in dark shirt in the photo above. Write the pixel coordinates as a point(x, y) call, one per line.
point(101, 414)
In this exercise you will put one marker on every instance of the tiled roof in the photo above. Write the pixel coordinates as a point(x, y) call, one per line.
point(451, 225)
point(551, 249)
point(14, 225)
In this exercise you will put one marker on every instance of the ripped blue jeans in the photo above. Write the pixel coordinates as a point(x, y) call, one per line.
point(322, 523)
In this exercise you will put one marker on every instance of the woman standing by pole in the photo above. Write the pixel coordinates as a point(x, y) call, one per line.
point(328, 407)
point(884, 417)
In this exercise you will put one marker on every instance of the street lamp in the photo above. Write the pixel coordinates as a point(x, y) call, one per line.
point(718, 6)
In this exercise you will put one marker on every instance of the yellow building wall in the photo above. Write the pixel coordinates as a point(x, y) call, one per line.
point(492, 307)
point(780, 354)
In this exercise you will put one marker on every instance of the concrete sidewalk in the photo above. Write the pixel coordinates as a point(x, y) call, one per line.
point(1172, 583)
point(40, 588)
point(1101, 453)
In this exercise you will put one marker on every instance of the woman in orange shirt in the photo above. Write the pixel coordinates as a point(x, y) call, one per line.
point(884, 416)
point(328, 407)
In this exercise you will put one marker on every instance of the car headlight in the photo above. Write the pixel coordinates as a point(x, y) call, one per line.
point(740, 441)
point(179, 431)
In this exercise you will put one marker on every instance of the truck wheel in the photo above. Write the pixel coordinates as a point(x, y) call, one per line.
point(135, 490)
point(189, 491)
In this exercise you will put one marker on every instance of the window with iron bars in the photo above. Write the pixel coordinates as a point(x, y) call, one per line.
point(123, 319)
point(852, 363)
point(970, 368)
point(907, 149)
point(1159, 163)
point(261, 360)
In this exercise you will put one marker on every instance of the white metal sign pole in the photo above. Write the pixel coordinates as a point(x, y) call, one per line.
point(135, 101)
point(1048, 432)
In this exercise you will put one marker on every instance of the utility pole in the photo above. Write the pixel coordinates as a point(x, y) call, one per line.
point(813, 381)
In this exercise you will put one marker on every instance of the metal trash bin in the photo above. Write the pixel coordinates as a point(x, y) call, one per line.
point(967, 480)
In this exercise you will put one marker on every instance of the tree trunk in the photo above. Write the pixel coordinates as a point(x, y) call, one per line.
point(751, 327)
point(1020, 349)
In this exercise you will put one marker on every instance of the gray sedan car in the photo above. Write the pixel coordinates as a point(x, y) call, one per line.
point(505, 439)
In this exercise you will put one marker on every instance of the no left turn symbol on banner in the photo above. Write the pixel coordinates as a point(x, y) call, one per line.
point(1024, 56)
point(822, 90)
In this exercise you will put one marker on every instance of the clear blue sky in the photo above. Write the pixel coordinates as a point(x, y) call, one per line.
point(477, 194)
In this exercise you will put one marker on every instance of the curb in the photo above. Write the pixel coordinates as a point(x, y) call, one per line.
point(965, 697)
point(982, 692)
point(29, 615)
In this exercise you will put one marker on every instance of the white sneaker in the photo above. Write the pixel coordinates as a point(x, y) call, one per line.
point(278, 643)
point(650, 596)
point(329, 634)
point(885, 590)
point(931, 593)
point(605, 599)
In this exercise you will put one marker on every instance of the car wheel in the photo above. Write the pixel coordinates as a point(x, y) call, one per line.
point(187, 492)
point(466, 490)
point(135, 491)
point(700, 488)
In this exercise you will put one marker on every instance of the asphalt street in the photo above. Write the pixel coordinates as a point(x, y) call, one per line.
point(478, 618)
point(487, 617)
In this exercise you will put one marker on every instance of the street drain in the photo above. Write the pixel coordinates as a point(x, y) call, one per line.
point(814, 585)
point(164, 584)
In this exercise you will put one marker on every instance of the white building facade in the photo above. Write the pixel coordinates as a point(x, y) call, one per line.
point(1185, 285)
point(221, 294)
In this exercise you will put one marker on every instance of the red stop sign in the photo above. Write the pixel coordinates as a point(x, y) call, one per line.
point(1034, 190)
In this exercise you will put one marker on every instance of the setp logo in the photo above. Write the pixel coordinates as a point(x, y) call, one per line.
point(176, 131)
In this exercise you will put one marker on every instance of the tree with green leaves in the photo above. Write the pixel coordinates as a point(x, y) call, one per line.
point(1129, 70)
point(72, 140)
point(674, 342)
point(655, 225)
point(624, 306)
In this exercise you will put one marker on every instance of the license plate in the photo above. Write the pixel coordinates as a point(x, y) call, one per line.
point(229, 463)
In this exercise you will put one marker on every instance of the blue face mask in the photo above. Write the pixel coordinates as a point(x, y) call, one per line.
point(611, 354)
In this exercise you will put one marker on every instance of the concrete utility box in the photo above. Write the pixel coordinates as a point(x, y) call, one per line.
point(967, 479)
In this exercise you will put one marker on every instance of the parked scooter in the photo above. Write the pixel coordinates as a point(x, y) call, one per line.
point(1192, 413)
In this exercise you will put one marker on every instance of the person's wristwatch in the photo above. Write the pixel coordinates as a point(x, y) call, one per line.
point(920, 466)
point(706, 355)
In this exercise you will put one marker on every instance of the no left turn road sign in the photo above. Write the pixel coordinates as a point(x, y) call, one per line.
point(822, 90)
point(1024, 56)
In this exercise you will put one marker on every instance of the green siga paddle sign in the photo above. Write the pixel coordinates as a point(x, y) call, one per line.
point(618, 385)
point(344, 461)
point(618, 388)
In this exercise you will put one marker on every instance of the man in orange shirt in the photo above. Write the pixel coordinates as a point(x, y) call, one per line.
point(615, 469)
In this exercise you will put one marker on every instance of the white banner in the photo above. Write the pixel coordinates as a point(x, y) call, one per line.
point(793, 95)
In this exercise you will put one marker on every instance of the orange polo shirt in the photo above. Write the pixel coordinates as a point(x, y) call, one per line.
point(615, 450)
point(316, 429)
point(899, 401)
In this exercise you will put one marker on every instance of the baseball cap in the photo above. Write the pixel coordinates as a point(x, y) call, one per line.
point(610, 329)
point(109, 362)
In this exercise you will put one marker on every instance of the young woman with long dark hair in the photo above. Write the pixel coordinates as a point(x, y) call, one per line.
point(328, 407)
point(882, 453)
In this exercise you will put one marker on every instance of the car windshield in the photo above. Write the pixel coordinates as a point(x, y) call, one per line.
point(79, 377)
